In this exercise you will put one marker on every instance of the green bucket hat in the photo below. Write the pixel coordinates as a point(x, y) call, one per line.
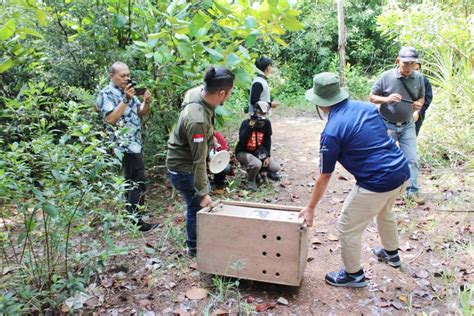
point(326, 90)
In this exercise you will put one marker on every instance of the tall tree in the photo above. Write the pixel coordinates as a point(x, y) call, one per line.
point(341, 47)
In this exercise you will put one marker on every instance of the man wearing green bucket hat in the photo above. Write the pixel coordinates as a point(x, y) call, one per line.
point(355, 135)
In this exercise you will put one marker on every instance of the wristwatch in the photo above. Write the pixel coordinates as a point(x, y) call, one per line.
point(125, 100)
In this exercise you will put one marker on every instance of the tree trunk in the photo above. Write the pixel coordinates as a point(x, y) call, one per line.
point(342, 42)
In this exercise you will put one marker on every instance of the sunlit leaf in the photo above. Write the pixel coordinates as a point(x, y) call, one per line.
point(291, 23)
point(7, 30)
point(185, 50)
point(232, 60)
point(6, 64)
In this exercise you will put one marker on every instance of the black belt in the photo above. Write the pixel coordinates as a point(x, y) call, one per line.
point(398, 123)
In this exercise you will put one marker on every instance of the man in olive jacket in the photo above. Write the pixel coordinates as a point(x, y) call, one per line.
point(189, 144)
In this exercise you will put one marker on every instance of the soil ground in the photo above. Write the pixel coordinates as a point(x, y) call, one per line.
point(435, 239)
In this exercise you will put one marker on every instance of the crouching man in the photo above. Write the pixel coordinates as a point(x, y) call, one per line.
point(356, 136)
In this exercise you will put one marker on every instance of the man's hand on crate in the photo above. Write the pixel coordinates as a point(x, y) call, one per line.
point(308, 213)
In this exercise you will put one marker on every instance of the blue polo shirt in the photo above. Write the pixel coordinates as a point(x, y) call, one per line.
point(356, 136)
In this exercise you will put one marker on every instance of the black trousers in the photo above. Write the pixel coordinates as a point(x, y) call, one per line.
point(134, 170)
point(419, 122)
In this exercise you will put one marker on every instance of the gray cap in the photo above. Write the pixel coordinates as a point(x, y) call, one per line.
point(407, 54)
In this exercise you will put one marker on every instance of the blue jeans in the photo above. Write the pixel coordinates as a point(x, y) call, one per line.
point(406, 137)
point(184, 183)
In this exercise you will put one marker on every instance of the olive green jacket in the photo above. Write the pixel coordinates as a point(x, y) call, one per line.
point(189, 143)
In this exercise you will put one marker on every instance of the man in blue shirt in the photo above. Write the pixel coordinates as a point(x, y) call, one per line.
point(356, 137)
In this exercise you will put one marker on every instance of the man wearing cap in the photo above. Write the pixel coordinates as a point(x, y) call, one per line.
point(400, 92)
point(355, 135)
point(253, 150)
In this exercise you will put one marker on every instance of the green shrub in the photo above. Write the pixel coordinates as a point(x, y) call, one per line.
point(60, 195)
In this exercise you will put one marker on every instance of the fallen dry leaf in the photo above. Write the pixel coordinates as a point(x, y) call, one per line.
point(196, 293)
point(316, 241)
point(193, 266)
point(332, 237)
point(396, 305)
point(149, 280)
point(343, 178)
point(309, 259)
point(147, 304)
point(422, 274)
point(282, 301)
point(264, 307)
point(405, 247)
point(180, 297)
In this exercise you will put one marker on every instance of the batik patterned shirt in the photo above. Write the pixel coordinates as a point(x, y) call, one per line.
point(126, 132)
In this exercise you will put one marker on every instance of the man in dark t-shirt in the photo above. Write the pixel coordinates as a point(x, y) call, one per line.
point(356, 137)
point(253, 150)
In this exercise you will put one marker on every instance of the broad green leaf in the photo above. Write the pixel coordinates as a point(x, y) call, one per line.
point(250, 40)
point(232, 60)
point(223, 7)
point(250, 22)
point(181, 30)
point(119, 21)
point(41, 16)
point(185, 50)
point(277, 29)
point(197, 22)
point(157, 35)
point(244, 51)
point(50, 209)
point(182, 37)
point(221, 110)
point(279, 41)
point(243, 79)
point(158, 57)
point(6, 64)
point(291, 23)
point(141, 44)
point(171, 7)
point(273, 3)
point(30, 31)
point(152, 43)
point(7, 30)
point(56, 174)
point(214, 53)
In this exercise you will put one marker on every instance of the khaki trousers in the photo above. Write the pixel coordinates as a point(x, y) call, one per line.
point(358, 210)
point(253, 165)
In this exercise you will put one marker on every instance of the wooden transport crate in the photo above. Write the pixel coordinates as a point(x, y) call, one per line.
point(254, 241)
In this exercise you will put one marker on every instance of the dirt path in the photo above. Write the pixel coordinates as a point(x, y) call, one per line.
point(436, 252)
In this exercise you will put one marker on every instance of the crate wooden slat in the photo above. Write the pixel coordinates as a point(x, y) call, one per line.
point(262, 242)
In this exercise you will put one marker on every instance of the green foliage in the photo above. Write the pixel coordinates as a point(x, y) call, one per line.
point(57, 183)
point(314, 48)
point(442, 32)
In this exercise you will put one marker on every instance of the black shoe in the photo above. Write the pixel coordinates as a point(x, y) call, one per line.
point(273, 176)
point(145, 227)
point(191, 252)
point(250, 186)
point(342, 278)
point(383, 256)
